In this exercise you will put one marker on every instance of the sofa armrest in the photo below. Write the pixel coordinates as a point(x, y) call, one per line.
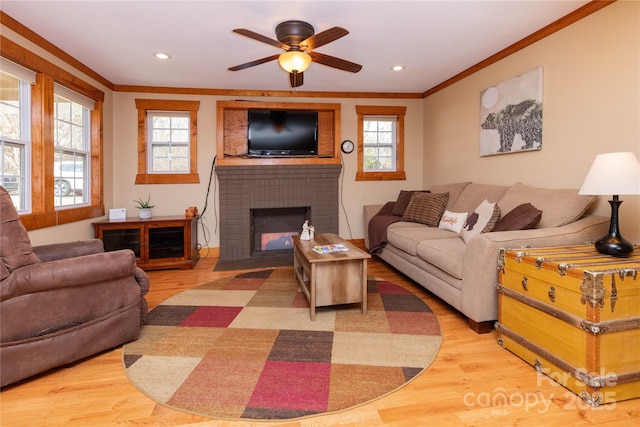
point(68, 273)
point(368, 211)
point(480, 264)
point(143, 281)
point(58, 251)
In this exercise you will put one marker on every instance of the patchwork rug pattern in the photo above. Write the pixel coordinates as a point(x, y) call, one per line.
point(244, 347)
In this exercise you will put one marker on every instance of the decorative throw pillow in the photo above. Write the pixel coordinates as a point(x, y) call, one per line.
point(403, 201)
point(453, 221)
point(481, 220)
point(426, 208)
point(522, 217)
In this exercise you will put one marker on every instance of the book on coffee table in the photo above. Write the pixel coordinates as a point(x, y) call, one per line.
point(329, 249)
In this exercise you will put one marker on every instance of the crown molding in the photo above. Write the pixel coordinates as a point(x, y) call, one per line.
point(41, 42)
point(555, 26)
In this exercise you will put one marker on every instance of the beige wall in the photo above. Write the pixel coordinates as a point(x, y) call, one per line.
point(591, 95)
point(173, 199)
point(591, 105)
point(120, 161)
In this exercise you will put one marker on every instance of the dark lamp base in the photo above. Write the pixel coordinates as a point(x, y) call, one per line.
point(613, 243)
point(614, 246)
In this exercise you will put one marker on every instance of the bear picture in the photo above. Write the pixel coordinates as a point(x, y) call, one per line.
point(511, 115)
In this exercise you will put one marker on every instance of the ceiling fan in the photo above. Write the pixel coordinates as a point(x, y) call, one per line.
point(298, 39)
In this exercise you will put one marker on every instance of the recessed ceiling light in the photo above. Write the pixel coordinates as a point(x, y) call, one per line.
point(397, 67)
point(163, 56)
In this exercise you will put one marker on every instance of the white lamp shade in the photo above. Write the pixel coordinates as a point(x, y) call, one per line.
point(613, 174)
point(294, 61)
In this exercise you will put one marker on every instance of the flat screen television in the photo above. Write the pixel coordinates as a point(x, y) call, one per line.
point(283, 133)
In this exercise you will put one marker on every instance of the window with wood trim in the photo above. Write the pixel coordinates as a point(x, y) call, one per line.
point(380, 143)
point(38, 204)
point(167, 141)
point(71, 147)
point(15, 133)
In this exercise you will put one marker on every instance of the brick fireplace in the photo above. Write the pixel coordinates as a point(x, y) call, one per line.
point(312, 189)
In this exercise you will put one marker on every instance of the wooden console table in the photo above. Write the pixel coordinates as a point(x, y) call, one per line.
point(330, 279)
point(159, 243)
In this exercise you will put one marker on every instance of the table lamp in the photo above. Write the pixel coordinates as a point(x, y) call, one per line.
point(613, 174)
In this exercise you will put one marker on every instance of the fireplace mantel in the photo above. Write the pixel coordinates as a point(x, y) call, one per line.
point(243, 188)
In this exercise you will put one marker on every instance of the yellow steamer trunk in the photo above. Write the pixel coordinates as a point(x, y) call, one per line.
point(574, 314)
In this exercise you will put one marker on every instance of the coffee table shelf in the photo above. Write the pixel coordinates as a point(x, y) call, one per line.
point(330, 279)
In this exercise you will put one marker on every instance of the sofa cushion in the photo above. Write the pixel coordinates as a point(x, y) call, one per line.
point(523, 217)
point(454, 191)
point(446, 254)
point(561, 206)
point(15, 245)
point(426, 208)
point(453, 221)
point(473, 194)
point(481, 220)
point(403, 201)
point(407, 235)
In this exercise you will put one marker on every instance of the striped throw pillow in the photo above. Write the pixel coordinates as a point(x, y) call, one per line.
point(426, 208)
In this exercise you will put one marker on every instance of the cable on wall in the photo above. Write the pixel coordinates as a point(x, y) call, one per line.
point(205, 230)
point(341, 196)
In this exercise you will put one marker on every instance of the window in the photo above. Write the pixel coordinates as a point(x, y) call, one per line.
point(379, 137)
point(15, 132)
point(380, 143)
point(63, 141)
point(72, 148)
point(167, 141)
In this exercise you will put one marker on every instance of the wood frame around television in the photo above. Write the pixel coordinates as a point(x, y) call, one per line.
point(232, 128)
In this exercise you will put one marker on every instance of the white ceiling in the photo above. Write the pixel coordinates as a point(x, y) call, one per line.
point(435, 40)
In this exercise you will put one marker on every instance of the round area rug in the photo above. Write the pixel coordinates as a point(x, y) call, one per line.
point(244, 347)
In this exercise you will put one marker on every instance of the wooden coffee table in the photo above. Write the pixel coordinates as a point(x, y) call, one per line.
point(330, 279)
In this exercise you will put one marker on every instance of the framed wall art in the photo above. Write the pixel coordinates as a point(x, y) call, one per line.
point(511, 115)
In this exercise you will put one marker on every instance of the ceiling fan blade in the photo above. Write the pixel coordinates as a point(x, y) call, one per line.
point(323, 38)
point(296, 79)
point(260, 38)
point(254, 63)
point(332, 61)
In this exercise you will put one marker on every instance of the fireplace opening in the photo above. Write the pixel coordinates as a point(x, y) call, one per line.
point(272, 228)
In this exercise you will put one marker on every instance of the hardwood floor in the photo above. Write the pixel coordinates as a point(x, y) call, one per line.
point(473, 381)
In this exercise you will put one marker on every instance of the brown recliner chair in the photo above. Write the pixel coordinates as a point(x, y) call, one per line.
point(63, 302)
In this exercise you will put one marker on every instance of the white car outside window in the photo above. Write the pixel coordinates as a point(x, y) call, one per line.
point(69, 178)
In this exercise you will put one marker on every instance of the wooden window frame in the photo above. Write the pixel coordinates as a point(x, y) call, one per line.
point(84, 152)
point(22, 142)
point(143, 176)
point(371, 110)
point(43, 212)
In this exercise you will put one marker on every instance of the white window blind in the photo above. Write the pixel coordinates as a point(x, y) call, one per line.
point(18, 71)
point(74, 96)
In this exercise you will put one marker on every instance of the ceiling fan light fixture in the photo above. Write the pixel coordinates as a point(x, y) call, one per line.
point(294, 61)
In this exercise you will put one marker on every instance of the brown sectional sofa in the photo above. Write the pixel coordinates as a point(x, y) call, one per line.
point(465, 274)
